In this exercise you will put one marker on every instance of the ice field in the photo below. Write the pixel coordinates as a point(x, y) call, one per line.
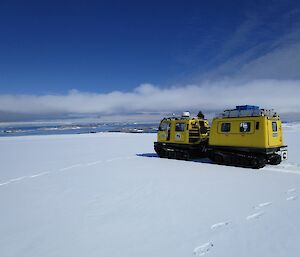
point(108, 195)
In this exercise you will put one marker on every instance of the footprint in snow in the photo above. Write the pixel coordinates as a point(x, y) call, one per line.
point(291, 190)
point(261, 205)
point(203, 249)
point(294, 197)
point(255, 215)
point(219, 225)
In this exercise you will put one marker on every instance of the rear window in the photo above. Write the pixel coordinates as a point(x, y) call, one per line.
point(274, 126)
point(245, 126)
point(225, 127)
point(180, 126)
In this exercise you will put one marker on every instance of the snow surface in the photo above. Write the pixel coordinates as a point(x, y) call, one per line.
point(108, 195)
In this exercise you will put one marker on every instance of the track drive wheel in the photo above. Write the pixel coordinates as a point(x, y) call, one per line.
point(218, 158)
point(257, 163)
point(171, 155)
point(186, 156)
point(275, 159)
point(162, 153)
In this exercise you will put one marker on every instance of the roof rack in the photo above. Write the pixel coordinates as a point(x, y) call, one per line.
point(246, 107)
point(247, 111)
point(180, 118)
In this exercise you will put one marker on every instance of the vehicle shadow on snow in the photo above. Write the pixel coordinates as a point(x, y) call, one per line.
point(150, 155)
point(154, 155)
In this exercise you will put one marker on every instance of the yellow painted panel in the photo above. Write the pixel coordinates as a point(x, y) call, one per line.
point(169, 134)
point(274, 133)
point(258, 136)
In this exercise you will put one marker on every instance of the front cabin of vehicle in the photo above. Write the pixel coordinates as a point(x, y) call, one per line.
point(183, 130)
point(182, 137)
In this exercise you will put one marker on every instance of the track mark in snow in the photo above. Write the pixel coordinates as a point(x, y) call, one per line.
point(291, 165)
point(294, 197)
point(203, 249)
point(219, 225)
point(110, 160)
point(119, 159)
point(291, 190)
point(93, 163)
point(65, 168)
point(13, 180)
point(5, 183)
point(39, 174)
point(17, 179)
point(261, 205)
point(23, 177)
point(255, 215)
point(285, 167)
point(70, 167)
point(130, 157)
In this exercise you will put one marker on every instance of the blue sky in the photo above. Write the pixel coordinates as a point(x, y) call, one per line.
point(55, 46)
point(90, 49)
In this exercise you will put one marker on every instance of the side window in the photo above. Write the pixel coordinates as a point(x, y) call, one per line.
point(164, 126)
point(194, 124)
point(245, 126)
point(257, 125)
point(274, 126)
point(180, 126)
point(225, 127)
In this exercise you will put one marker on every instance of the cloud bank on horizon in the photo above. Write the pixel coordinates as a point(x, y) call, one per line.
point(283, 95)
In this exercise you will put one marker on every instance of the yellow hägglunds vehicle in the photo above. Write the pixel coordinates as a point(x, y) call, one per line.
point(246, 136)
point(182, 137)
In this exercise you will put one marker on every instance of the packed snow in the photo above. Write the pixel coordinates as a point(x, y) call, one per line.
point(108, 194)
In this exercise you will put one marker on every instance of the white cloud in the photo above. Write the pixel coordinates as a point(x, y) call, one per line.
point(261, 47)
point(282, 95)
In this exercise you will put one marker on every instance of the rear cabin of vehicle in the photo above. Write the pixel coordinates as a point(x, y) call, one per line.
point(250, 131)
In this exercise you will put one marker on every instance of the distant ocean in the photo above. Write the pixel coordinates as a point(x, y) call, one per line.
point(26, 130)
